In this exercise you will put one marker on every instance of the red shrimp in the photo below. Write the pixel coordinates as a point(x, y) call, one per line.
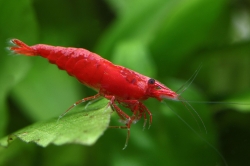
point(116, 83)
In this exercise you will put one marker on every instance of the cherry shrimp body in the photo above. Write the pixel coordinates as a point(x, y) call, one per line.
point(113, 82)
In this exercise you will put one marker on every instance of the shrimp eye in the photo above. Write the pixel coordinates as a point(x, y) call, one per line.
point(151, 81)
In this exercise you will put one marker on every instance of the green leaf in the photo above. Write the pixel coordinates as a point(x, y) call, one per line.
point(132, 53)
point(84, 128)
point(47, 85)
point(140, 21)
point(240, 102)
point(182, 31)
point(13, 69)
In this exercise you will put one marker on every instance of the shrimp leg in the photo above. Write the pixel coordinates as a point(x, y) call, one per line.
point(79, 102)
point(135, 106)
point(122, 115)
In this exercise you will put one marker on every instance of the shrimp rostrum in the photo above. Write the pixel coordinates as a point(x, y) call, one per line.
point(118, 84)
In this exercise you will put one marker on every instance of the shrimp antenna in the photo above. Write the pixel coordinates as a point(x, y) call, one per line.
point(189, 81)
point(211, 102)
point(185, 103)
point(208, 143)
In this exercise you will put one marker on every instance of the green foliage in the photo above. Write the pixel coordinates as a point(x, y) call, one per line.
point(81, 128)
point(166, 40)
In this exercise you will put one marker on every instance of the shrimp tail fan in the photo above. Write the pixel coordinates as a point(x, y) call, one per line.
point(20, 47)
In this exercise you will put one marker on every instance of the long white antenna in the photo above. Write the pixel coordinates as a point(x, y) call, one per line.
point(216, 150)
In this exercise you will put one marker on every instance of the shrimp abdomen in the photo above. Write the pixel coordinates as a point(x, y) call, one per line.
point(78, 62)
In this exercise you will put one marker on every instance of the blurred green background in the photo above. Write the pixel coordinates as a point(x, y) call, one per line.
point(164, 39)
